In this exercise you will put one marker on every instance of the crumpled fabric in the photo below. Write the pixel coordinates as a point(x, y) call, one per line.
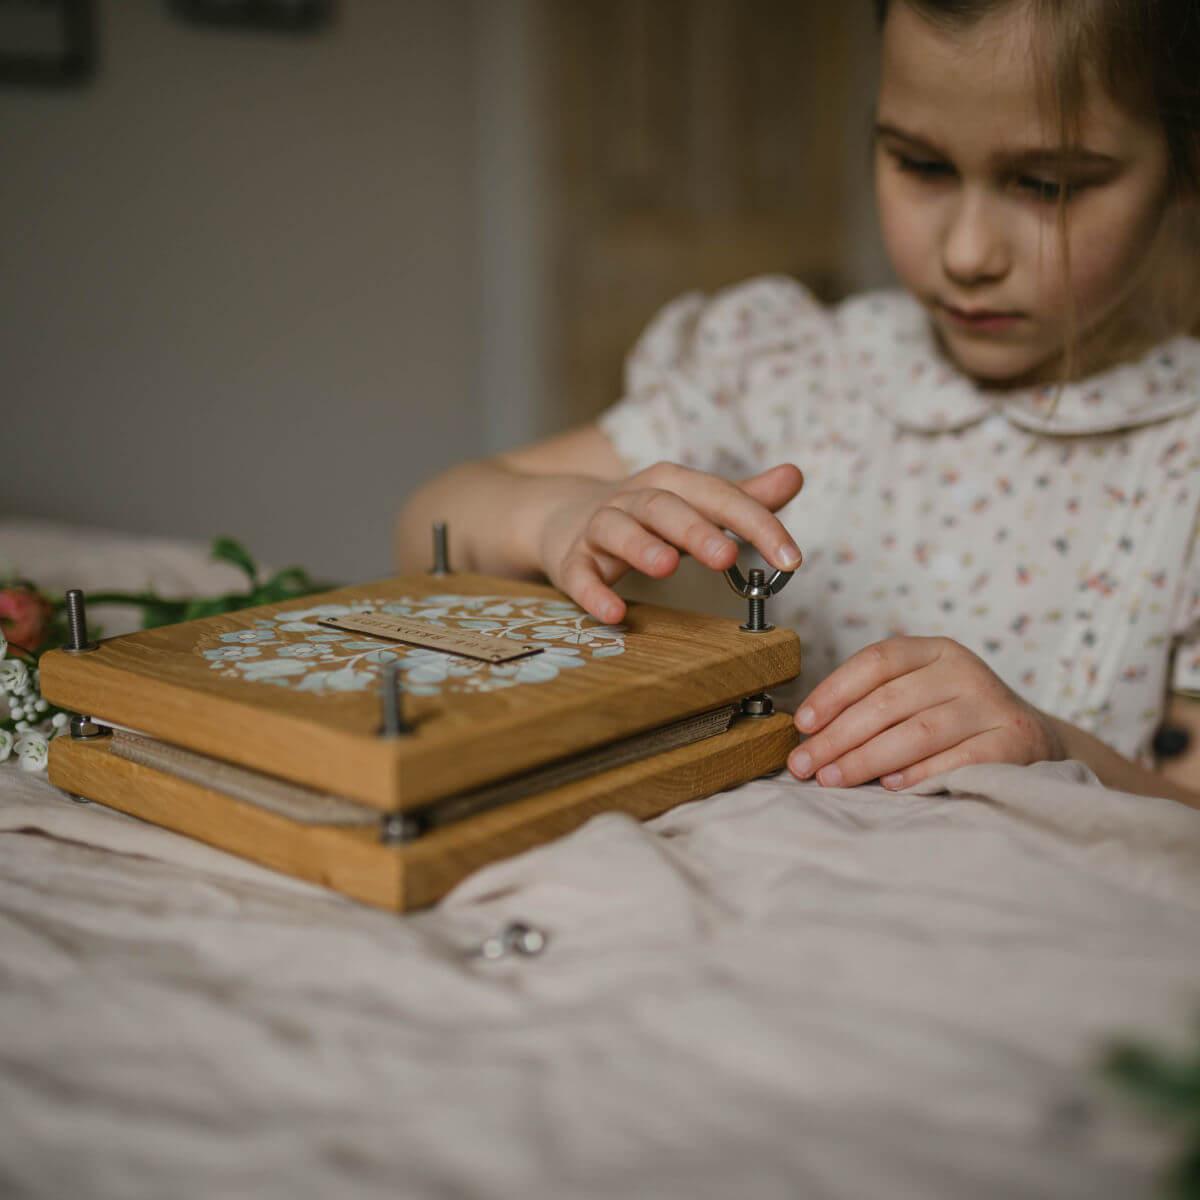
point(782, 990)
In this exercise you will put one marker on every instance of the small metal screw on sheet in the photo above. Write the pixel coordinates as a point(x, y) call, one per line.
point(516, 937)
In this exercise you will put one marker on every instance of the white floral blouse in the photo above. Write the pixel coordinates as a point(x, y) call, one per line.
point(1051, 530)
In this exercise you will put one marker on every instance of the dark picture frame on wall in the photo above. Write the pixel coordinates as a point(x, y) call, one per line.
point(47, 43)
point(284, 16)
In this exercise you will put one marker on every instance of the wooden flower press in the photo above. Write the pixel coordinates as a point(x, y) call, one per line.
point(387, 739)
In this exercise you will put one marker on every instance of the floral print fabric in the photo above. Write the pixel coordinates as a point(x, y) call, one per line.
point(1050, 530)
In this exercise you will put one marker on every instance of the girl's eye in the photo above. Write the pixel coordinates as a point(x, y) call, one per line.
point(925, 168)
point(1048, 190)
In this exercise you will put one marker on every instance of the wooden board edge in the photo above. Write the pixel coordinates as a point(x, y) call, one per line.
point(350, 861)
point(406, 877)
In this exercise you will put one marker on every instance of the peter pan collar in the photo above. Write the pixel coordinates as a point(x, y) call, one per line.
point(910, 382)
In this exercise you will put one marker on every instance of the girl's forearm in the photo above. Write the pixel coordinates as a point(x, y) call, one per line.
point(493, 513)
point(1114, 770)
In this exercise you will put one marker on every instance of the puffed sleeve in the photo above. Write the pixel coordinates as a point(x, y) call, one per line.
point(1185, 674)
point(702, 385)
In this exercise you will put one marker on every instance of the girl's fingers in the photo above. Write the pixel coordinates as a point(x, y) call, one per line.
point(861, 674)
point(674, 521)
point(888, 705)
point(633, 540)
point(776, 487)
point(983, 747)
point(683, 510)
point(582, 581)
point(727, 506)
point(924, 735)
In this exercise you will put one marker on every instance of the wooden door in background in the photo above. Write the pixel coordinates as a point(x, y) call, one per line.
point(692, 143)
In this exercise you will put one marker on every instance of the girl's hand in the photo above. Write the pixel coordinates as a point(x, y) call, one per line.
point(604, 529)
point(911, 707)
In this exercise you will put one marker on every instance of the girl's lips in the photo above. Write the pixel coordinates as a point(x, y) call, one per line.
point(980, 319)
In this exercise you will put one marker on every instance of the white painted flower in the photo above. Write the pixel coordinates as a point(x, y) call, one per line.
point(299, 627)
point(32, 750)
point(577, 637)
point(379, 656)
point(345, 679)
point(14, 676)
point(548, 664)
point(249, 637)
point(264, 670)
point(232, 653)
point(6, 745)
point(301, 650)
point(503, 609)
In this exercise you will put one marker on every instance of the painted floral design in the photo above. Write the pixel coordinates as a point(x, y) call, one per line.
point(293, 651)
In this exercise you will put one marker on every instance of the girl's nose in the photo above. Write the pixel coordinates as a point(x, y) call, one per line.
point(975, 248)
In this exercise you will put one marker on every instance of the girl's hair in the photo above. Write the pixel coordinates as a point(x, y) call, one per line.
point(1146, 55)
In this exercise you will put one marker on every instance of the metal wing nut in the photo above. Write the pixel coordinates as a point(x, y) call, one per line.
point(758, 587)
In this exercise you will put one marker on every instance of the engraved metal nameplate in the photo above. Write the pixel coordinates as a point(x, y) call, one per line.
point(433, 637)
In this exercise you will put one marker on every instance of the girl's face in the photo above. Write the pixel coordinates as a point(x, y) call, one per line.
point(968, 174)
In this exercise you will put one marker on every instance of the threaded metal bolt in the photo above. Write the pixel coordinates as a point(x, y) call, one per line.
point(391, 695)
point(77, 623)
point(757, 583)
point(441, 549)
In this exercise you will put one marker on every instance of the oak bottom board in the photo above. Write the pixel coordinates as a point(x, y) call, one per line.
point(403, 877)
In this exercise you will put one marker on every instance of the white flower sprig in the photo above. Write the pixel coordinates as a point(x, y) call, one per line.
point(30, 722)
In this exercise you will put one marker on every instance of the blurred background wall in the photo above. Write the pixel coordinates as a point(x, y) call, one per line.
point(265, 283)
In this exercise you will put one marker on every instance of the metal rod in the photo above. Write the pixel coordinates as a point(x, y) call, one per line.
point(77, 623)
point(441, 549)
point(392, 697)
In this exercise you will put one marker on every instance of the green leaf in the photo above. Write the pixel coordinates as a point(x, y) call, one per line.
point(1169, 1085)
point(1184, 1181)
point(225, 549)
point(162, 612)
point(283, 585)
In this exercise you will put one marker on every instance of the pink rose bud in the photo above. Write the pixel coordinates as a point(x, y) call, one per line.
point(24, 617)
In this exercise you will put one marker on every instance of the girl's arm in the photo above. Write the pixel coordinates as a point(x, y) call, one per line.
point(1116, 771)
point(492, 505)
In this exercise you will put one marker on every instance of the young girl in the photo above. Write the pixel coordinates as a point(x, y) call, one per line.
point(1001, 461)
